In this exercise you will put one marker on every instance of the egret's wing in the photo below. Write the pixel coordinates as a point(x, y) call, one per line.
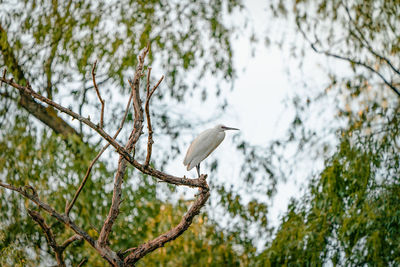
point(202, 146)
point(194, 147)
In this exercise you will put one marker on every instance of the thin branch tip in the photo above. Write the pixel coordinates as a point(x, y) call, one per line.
point(98, 94)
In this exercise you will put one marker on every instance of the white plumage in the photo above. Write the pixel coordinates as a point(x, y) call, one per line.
point(203, 145)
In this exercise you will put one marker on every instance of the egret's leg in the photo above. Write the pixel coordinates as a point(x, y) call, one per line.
point(198, 169)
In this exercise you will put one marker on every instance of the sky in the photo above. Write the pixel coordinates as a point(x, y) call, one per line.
point(256, 106)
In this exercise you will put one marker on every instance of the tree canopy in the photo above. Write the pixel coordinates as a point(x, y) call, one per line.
point(349, 213)
point(51, 46)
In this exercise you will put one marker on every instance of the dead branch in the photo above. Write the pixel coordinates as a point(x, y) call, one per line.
point(98, 95)
point(50, 237)
point(82, 262)
point(120, 149)
point(105, 252)
point(149, 129)
point(142, 250)
point(70, 240)
point(4, 76)
point(122, 163)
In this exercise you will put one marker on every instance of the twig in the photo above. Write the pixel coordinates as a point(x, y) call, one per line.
point(4, 76)
point(150, 130)
point(356, 62)
point(71, 204)
point(98, 95)
point(142, 250)
point(70, 240)
point(82, 262)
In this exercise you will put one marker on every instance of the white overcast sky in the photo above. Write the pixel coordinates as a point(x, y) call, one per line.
point(256, 103)
point(255, 106)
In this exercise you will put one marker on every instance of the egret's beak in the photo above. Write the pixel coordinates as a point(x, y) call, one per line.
point(229, 128)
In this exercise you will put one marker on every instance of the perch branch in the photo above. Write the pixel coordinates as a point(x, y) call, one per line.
point(120, 149)
point(142, 250)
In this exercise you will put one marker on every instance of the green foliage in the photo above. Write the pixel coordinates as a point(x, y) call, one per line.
point(351, 214)
point(47, 34)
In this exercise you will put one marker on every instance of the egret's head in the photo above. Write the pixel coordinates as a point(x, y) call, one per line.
point(224, 128)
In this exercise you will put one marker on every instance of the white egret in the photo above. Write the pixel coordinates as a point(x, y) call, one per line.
point(203, 145)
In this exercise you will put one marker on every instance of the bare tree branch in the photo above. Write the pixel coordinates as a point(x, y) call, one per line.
point(105, 252)
point(4, 76)
point(70, 240)
point(126, 156)
point(98, 95)
point(142, 250)
point(122, 163)
point(82, 262)
point(149, 129)
point(120, 149)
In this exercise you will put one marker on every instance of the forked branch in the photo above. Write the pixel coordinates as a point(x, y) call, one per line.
point(30, 193)
point(139, 252)
point(122, 162)
point(50, 237)
point(120, 149)
point(127, 155)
